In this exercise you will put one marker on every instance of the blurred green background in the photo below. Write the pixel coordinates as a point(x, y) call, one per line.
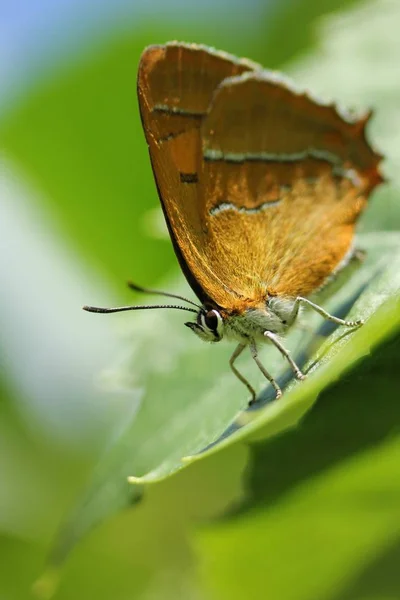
point(80, 216)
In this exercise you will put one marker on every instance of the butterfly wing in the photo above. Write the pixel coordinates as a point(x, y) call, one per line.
point(285, 179)
point(175, 86)
point(261, 185)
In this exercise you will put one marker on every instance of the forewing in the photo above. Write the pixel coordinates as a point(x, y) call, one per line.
point(175, 85)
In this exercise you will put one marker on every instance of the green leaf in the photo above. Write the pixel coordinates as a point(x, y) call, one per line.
point(168, 434)
point(321, 516)
point(325, 517)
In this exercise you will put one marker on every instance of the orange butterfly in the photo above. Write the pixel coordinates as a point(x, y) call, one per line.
point(261, 186)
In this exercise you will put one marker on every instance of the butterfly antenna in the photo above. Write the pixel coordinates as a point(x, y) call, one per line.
point(139, 288)
point(97, 309)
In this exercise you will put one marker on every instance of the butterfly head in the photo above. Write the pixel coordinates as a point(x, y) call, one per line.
point(209, 325)
point(246, 322)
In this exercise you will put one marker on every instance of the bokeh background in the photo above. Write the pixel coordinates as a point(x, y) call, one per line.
point(79, 215)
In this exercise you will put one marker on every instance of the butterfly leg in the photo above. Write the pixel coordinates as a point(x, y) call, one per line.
point(323, 313)
point(254, 353)
point(275, 340)
point(238, 351)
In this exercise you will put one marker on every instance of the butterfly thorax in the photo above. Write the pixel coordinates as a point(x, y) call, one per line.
point(275, 314)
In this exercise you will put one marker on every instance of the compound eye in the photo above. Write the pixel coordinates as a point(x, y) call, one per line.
point(211, 320)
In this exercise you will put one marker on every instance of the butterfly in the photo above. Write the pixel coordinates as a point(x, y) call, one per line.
point(261, 186)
